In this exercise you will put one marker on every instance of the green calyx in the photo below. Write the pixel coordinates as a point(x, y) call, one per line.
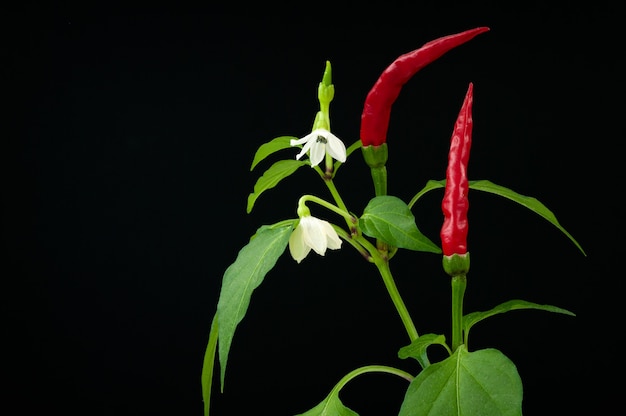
point(375, 156)
point(456, 264)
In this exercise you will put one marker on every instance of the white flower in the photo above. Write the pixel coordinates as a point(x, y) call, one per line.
point(319, 142)
point(312, 233)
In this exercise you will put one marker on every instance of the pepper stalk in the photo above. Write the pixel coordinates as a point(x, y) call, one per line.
point(376, 158)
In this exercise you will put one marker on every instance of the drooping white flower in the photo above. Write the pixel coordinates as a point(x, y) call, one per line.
point(312, 233)
point(319, 142)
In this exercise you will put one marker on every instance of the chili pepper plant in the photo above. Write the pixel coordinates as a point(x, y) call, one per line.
point(469, 382)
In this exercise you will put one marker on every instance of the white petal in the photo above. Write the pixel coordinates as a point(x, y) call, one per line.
point(305, 149)
point(314, 235)
point(332, 238)
point(318, 152)
point(305, 139)
point(335, 147)
point(297, 246)
point(299, 155)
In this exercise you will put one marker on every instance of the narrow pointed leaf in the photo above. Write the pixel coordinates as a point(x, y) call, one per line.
point(253, 262)
point(480, 383)
point(529, 202)
point(273, 146)
point(389, 219)
point(472, 318)
point(272, 176)
point(526, 201)
point(417, 348)
point(208, 365)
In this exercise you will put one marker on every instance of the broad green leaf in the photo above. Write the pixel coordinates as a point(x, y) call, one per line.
point(480, 383)
point(276, 173)
point(273, 146)
point(330, 406)
point(487, 186)
point(417, 348)
point(208, 365)
point(472, 318)
point(389, 219)
point(240, 279)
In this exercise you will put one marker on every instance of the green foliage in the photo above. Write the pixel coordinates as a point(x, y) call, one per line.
point(253, 262)
point(272, 176)
point(487, 186)
point(389, 219)
point(417, 348)
point(273, 146)
point(330, 406)
point(208, 365)
point(472, 318)
point(480, 383)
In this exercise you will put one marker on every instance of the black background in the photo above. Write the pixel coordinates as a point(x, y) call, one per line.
point(129, 136)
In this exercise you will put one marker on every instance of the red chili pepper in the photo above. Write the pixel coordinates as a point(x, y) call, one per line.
point(455, 203)
point(377, 108)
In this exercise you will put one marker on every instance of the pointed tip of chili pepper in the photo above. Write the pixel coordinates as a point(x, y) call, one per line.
point(468, 101)
point(377, 107)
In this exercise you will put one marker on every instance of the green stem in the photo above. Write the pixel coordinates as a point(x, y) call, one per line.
point(370, 369)
point(341, 211)
point(376, 158)
point(327, 177)
point(333, 191)
point(394, 294)
point(348, 237)
point(379, 178)
point(392, 289)
point(459, 282)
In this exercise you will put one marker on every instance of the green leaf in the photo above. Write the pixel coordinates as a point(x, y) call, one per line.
point(207, 366)
point(417, 348)
point(487, 186)
point(526, 201)
point(480, 383)
point(273, 146)
point(472, 318)
point(330, 406)
point(389, 219)
point(276, 173)
point(240, 279)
